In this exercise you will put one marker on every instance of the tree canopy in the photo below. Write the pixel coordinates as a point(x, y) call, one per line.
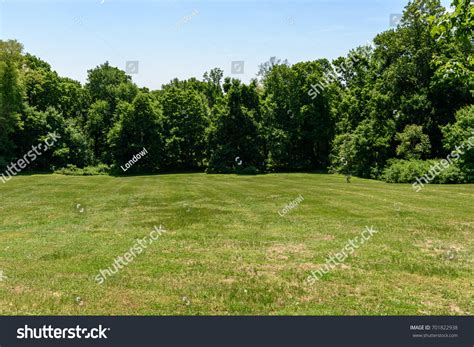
point(406, 98)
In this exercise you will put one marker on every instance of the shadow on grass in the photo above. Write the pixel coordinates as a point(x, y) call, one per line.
point(173, 172)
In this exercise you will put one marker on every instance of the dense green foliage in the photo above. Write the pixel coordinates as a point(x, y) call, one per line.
point(407, 171)
point(378, 112)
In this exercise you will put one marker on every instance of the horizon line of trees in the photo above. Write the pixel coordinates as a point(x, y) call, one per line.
point(384, 111)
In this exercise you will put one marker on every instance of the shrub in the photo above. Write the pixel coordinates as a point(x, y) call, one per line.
point(407, 171)
point(461, 133)
point(72, 170)
point(404, 171)
point(453, 174)
point(363, 152)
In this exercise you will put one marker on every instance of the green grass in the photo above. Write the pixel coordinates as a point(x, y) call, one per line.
point(228, 251)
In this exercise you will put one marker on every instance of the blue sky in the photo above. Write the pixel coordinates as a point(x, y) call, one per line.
point(181, 38)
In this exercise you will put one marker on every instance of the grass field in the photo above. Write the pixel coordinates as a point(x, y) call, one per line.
point(228, 251)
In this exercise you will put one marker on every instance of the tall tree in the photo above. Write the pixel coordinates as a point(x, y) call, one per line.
point(11, 96)
point(298, 121)
point(139, 127)
point(106, 86)
point(235, 140)
point(186, 118)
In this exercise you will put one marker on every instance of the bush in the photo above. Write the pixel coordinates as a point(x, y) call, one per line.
point(407, 171)
point(453, 174)
point(404, 171)
point(461, 133)
point(363, 152)
point(72, 170)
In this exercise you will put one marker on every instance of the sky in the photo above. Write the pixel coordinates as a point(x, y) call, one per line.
point(183, 38)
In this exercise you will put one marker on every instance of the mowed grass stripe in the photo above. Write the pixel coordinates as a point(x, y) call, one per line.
point(228, 251)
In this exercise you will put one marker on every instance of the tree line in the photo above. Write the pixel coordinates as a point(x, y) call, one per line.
point(385, 111)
